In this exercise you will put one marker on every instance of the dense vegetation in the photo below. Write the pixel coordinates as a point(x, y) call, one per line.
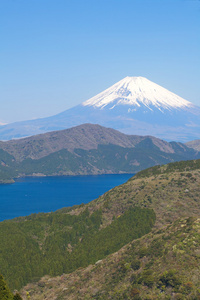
point(160, 263)
point(163, 264)
point(58, 242)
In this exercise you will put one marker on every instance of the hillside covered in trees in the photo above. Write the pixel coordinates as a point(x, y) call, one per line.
point(150, 224)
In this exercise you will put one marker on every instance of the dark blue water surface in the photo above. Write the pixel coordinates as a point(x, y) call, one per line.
point(45, 194)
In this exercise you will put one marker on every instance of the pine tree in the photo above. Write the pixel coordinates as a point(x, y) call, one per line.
point(5, 293)
point(17, 297)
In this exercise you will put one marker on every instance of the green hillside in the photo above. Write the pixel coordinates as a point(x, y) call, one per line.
point(59, 243)
point(163, 264)
point(150, 205)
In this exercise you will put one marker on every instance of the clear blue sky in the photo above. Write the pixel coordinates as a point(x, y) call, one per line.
point(55, 54)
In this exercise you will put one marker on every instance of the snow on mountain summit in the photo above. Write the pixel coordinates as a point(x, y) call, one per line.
point(134, 105)
point(134, 91)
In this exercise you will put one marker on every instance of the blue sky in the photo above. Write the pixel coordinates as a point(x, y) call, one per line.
point(55, 54)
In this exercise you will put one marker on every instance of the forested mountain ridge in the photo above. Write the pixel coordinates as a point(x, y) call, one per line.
point(86, 149)
point(71, 238)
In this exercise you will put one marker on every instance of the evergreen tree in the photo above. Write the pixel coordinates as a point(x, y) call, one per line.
point(17, 297)
point(5, 293)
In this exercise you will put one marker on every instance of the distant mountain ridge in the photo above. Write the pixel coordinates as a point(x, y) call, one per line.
point(194, 144)
point(85, 150)
point(134, 105)
point(86, 137)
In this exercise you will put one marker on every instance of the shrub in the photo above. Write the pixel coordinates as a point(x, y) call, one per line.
point(133, 278)
point(143, 252)
point(169, 279)
point(147, 278)
point(135, 294)
point(187, 287)
point(135, 265)
point(17, 297)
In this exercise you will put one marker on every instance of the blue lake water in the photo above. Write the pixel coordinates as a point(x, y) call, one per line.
point(46, 194)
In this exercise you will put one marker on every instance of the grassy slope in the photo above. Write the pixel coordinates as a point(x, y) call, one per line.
point(163, 264)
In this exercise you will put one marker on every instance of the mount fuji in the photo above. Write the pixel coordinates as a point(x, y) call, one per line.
point(134, 105)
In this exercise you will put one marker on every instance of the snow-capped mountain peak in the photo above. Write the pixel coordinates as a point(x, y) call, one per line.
point(133, 105)
point(134, 91)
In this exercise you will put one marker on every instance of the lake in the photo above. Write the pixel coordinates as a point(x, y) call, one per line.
point(46, 194)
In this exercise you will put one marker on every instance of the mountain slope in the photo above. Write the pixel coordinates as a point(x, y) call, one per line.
point(87, 149)
point(134, 105)
point(161, 265)
point(194, 145)
point(137, 91)
point(86, 137)
point(71, 238)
